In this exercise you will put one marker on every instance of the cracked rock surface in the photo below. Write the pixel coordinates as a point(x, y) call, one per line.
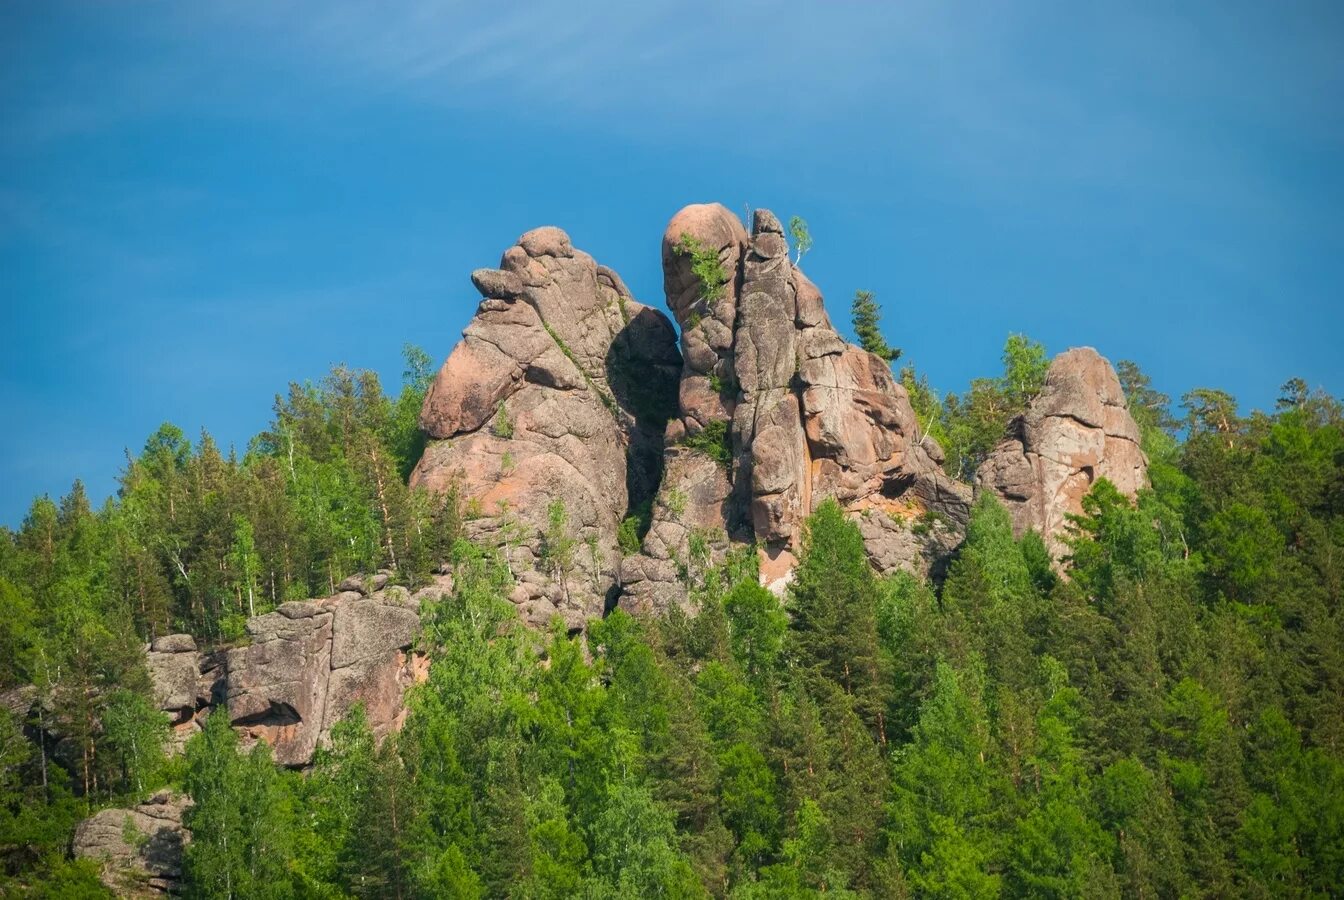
point(150, 863)
point(306, 665)
point(1078, 429)
point(558, 393)
point(805, 415)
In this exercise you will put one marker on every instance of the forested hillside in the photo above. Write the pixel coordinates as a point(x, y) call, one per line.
point(1159, 716)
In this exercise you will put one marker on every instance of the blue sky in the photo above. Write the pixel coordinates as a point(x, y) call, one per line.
point(200, 202)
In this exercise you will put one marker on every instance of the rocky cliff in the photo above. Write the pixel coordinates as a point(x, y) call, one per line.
point(567, 409)
point(803, 415)
point(553, 408)
point(305, 665)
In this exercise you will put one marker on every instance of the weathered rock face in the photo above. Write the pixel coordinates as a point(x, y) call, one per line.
point(562, 386)
point(311, 661)
point(150, 863)
point(1078, 429)
point(807, 417)
point(558, 392)
point(307, 664)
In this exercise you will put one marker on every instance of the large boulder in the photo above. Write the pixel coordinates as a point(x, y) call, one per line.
point(139, 849)
point(309, 662)
point(549, 416)
point(802, 416)
point(1078, 429)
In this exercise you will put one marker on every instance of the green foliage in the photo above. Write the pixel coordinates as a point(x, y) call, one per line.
point(1157, 714)
point(705, 265)
point(674, 500)
point(241, 821)
point(867, 319)
point(715, 441)
point(972, 423)
point(1024, 368)
point(833, 603)
point(758, 625)
point(802, 238)
point(630, 534)
point(944, 791)
point(135, 732)
point(1150, 408)
point(502, 424)
point(722, 386)
point(558, 543)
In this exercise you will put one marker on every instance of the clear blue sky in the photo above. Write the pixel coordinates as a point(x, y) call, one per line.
point(200, 202)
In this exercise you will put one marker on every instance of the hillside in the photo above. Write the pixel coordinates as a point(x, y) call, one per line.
point(623, 604)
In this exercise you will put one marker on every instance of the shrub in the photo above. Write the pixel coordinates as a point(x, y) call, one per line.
point(502, 427)
point(706, 266)
point(714, 441)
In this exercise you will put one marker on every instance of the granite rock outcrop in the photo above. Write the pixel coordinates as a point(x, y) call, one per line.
point(550, 413)
point(1077, 429)
point(138, 849)
point(306, 664)
point(568, 408)
point(799, 416)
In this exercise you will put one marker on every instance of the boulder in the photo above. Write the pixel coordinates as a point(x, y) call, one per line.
point(139, 848)
point(174, 643)
point(175, 674)
point(19, 700)
point(1078, 429)
point(310, 661)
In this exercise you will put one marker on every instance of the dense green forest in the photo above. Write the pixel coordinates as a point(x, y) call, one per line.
point(1166, 719)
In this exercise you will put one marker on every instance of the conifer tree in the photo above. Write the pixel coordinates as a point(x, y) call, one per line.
point(833, 602)
point(868, 327)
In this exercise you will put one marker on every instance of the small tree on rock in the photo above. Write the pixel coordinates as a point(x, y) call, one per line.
point(868, 327)
point(802, 238)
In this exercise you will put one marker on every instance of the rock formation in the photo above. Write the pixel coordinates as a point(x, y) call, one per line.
point(565, 393)
point(1078, 429)
point(307, 664)
point(139, 849)
point(567, 409)
point(553, 405)
point(804, 417)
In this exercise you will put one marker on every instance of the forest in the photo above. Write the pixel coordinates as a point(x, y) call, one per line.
point(1162, 717)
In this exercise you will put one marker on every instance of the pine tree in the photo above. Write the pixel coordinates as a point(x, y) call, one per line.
point(868, 327)
point(943, 807)
point(833, 602)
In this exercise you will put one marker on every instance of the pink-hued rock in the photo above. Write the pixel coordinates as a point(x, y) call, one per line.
point(540, 403)
point(1078, 429)
point(559, 391)
point(311, 661)
point(808, 416)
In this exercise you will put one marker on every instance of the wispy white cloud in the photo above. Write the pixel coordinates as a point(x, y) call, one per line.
point(991, 89)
